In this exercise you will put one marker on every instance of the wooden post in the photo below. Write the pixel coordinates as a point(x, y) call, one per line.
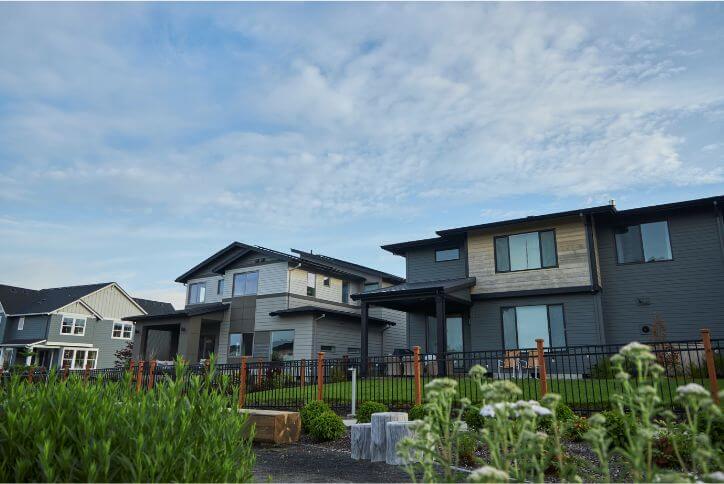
point(152, 374)
point(710, 366)
point(30, 374)
point(66, 372)
point(139, 376)
point(242, 382)
point(542, 368)
point(418, 374)
point(259, 374)
point(320, 375)
point(303, 372)
point(86, 373)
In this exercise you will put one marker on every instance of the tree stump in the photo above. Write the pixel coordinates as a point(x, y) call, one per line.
point(361, 441)
point(379, 433)
point(396, 431)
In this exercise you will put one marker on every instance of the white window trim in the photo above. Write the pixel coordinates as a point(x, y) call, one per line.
point(85, 358)
point(124, 323)
point(21, 323)
point(188, 296)
point(72, 328)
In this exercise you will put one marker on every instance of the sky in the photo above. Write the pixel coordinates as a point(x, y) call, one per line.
point(138, 139)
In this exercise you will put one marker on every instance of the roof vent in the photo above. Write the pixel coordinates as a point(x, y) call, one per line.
point(612, 202)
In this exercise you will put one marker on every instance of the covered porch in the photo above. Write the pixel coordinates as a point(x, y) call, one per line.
point(192, 333)
point(438, 299)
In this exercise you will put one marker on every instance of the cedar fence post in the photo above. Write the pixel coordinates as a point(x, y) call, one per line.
point(86, 373)
point(152, 374)
point(542, 368)
point(66, 371)
point(710, 366)
point(320, 375)
point(259, 375)
point(302, 372)
point(30, 374)
point(139, 377)
point(242, 382)
point(418, 376)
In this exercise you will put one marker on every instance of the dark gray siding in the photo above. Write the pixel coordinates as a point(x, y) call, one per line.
point(686, 293)
point(416, 330)
point(421, 265)
point(579, 311)
point(34, 327)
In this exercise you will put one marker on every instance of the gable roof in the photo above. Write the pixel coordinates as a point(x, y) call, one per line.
point(348, 265)
point(154, 307)
point(19, 300)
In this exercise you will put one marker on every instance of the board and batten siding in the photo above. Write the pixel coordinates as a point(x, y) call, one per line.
point(111, 303)
point(684, 294)
point(573, 263)
point(421, 265)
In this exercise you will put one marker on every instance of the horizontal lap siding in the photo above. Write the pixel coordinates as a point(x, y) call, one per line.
point(34, 327)
point(301, 324)
point(687, 293)
point(344, 334)
point(107, 346)
point(421, 265)
point(394, 336)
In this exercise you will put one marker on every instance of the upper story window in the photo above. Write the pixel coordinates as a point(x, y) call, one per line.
point(122, 330)
point(72, 325)
point(522, 325)
point(245, 284)
point(442, 255)
point(311, 283)
point(531, 250)
point(21, 323)
point(643, 243)
point(197, 292)
point(345, 292)
point(371, 286)
point(326, 281)
point(220, 287)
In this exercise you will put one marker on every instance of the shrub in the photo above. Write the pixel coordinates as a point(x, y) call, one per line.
point(327, 426)
point(417, 412)
point(473, 418)
point(71, 431)
point(577, 428)
point(364, 414)
point(615, 427)
point(311, 411)
point(466, 446)
point(564, 415)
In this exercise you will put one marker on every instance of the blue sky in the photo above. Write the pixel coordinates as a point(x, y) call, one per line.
point(137, 139)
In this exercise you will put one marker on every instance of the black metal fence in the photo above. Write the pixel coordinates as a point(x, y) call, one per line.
point(582, 375)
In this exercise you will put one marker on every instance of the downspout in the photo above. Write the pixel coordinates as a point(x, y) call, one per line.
point(314, 333)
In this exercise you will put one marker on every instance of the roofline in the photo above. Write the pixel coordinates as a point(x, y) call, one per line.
point(316, 309)
point(400, 248)
point(697, 202)
point(186, 275)
point(417, 291)
point(384, 275)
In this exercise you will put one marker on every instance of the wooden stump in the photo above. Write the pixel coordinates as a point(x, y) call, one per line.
point(361, 441)
point(379, 433)
point(274, 426)
point(396, 431)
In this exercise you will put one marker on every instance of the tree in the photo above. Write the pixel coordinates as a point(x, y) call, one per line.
point(123, 356)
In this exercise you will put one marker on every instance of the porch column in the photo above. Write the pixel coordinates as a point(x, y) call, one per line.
point(29, 359)
point(364, 344)
point(441, 334)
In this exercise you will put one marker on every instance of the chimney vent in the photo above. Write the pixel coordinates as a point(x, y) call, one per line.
point(612, 202)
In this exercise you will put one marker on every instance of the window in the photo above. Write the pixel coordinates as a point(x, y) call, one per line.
point(520, 252)
point(71, 325)
point(371, 286)
point(197, 292)
point(240, 344)
point(122, 330)
point(643, 243)
point(326, 281)
point(21, 323)
point(345, 292)
point(220, 287)
point(353, 350)
point(79, 359)
point(453, 334)
point(447, 254)
point(282, 345)
point(311, 283)
point(246, 284)
point(522, 325)
point(327, 348)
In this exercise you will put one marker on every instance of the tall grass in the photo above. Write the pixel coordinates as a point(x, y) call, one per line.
point(71, 431)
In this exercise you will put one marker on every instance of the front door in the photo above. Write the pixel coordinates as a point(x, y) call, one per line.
point(207, 345)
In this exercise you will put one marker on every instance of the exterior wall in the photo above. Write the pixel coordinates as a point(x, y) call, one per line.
point(106, 345)
point(111, 303)
point(573, 262)
point(579, 312)
point(421, 265)
point(34, 327)
point(211, 284)
point(343, 335)
point(301, 324)
point(75, 308)
point(686, 293)
point(91, 327)
point(394, 336)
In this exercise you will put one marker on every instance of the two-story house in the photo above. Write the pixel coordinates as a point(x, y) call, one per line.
point(73, 326)
point(590, 276)
point(247, 300)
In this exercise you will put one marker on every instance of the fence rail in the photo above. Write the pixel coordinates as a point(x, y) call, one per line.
point(582, 375)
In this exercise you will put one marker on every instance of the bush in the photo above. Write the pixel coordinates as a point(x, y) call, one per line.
point(577, 428)
point(466, 446)
point(615, 427)
point(71, 431)
point(364, 414)
point(311, 411)
point(327, 426)
point(473, 418)
point(564, 415)
point(416, 413)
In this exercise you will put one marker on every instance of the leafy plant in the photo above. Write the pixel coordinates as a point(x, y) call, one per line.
point(417, 412)
point(327, 426)
point(364, 414)
point(466, 446)
point(473, 419)
point(312, 410)
point(124, 355)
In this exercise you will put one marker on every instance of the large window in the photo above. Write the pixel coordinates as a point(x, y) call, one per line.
point(220, 287)
point(522, 325)
point(122, 330)
point(282, 345)
point(240, 344)
point(246, 283)
point(311, 284)
point(371, 286)
point(72, 325)
point(454, 334)
point(21, 323)
point(197, 292)
point(520, 252)
point(442, 255)
point(643, 243)
point(76, 359)
point(345, 292)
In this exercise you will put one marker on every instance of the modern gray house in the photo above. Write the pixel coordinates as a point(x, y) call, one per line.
point(247, 300)
point(75, 326)
point(591, 276)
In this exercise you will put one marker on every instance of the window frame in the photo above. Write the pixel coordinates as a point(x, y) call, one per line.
point(271, 342)
point(75, 318)
point(229, 354)
point(540, 250)
point(345, 292)
point(548, 323)
point(123, 324)
point(445, 249)
point(245, 274)
point(311, 290)
point(220, 287)
point(366, 284)
point(188, 297)
point(74, 351)
point(641, 242)
point(21, 323)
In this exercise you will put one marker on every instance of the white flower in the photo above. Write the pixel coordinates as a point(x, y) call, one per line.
point(534, 406)
point(693, 389)
point(489, 410)
point(488, 474)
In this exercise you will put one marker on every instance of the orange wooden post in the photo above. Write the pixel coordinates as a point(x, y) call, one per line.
point(320, 375)
point(259, 375)
point(86, 373)
point(242, 382)
point(66, 371)
point(139, 376)
point(30, 374)
point(418, 374)
point(710, 367)
point(542, 368)
point(152, 374)
point(302, 372)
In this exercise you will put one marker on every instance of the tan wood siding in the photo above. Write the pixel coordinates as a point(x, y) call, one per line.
point(111, 303)
point(74, 308)
point(573, 264)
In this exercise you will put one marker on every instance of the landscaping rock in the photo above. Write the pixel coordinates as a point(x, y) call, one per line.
point(379, 433)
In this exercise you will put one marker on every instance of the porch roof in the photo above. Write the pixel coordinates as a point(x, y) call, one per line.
point(195, 310)
point(420, 296)
point(334, 312)
point(23, 342)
